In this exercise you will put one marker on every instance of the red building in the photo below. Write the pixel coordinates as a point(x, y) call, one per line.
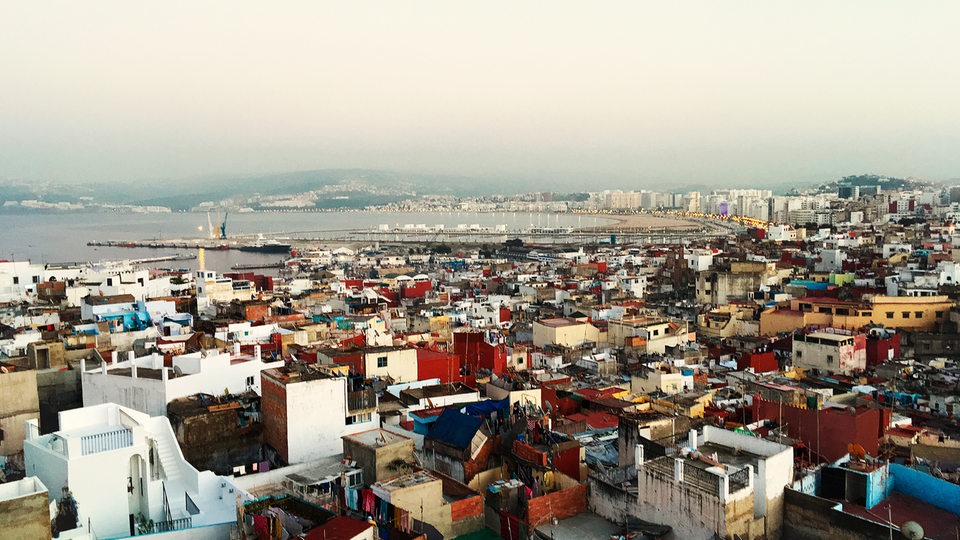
point(476, 352)
point(416, 289)
point(760, 362)
point(441, 365)
point(827, 432)
point(882, 345)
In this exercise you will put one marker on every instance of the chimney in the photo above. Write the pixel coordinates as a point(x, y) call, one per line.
point(131, 356)
point(257, 352)
point(236, 348)
point(155, 361)
point(692, 439)
point(133, 370)
point(113, 357)
point(638, 455)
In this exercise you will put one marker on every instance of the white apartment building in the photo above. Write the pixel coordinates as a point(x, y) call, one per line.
point(145, 384)
point(128, 476)
point(734, 483)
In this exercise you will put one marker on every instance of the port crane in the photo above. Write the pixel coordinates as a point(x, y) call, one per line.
point(223, 226)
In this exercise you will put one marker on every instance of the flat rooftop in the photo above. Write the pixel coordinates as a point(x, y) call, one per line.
point(728, 456)
point(936, 522)
point(408, 480)
point(377, 437)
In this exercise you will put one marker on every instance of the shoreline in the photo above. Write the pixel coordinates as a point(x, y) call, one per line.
point(641, 221)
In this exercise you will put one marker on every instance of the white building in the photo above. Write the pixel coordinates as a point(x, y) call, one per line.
point(145, 385)
point(699, 260)
point(836, 351)
point(128, 476)
point(215, 288)
point(307, 410)
point(717, 473)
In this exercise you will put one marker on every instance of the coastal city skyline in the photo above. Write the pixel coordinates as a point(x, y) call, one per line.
point(504, 271)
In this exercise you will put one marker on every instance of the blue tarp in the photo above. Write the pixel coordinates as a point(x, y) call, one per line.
point(455, 428)
point(486, 407)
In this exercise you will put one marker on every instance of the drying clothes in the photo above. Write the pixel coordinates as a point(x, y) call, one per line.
point(384, 512)
point(369, 502)
point(261, 527)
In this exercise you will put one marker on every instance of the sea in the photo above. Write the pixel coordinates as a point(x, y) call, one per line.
point(55, 238)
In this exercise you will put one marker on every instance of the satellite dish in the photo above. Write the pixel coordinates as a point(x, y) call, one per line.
point(177, 371)
point(912, 530)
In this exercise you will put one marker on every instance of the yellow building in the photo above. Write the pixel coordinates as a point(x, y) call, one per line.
point(901, 312)
point(565, 332)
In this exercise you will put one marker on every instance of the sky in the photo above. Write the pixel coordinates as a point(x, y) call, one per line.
point(618, 94)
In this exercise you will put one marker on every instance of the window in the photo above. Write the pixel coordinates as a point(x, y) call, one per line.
point(16, 280)
point(381, 361)
point(359, 418)
point(889, 314)
point(36, 279)
point(656, 332)
point(799, 354)
point(918, 314)
point(250, 380)
point(939, 314)
point(829, 359)
point(867, 313)
point(824, 310)
point(109, 282)
point(355, 478)
point(842, 311)
point(906, 314)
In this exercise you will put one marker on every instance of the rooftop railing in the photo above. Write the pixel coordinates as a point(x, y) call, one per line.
point(105, 442)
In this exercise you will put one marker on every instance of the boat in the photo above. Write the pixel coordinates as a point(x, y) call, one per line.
point(266, 246)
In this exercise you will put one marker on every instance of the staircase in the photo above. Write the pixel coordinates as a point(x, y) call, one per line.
point(169, 460)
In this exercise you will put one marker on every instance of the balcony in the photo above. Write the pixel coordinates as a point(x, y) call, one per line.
point(172, 525)
point(361, 400)
point(105, 442)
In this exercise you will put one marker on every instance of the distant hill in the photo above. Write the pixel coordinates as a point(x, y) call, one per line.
point(340, 188)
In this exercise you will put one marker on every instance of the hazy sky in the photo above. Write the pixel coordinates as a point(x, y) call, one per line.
point(607, 94)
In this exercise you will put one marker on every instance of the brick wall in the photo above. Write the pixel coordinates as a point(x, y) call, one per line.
point(524, 451)
point(478, 464)
point(273, 406)
point(466, 508)
point(559, 504)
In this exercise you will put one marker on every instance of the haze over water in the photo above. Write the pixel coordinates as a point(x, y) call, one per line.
point(63, 237)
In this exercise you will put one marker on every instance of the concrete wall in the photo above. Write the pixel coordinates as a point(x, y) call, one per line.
point(934, 491)
point(58, 390)
point(427, 496)
point(19, 402)
point(375, 461)
point(808, 517)
point(611, 501)
point(661, 500)
point(401, 365)
point(24, 510)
